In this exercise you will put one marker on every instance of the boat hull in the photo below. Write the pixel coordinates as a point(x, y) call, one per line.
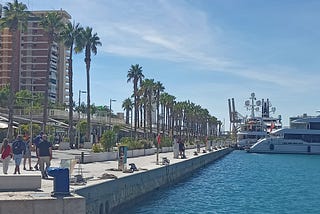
point(283, 146)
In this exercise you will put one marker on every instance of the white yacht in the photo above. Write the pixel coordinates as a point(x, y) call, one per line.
point(303, 137)
point(254, 127)
point(250, 132)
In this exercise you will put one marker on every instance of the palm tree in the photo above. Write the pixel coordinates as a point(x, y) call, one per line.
point(135, 74)
point(142, 106)
point(52, 25)
point(162, 101)
point(70, 35)
point(89, 43)
point(158, 89)
point(178, 112)
point(147, 88)
point(167, 102)
point(170, 105)
point(15, 18)
point(127, 106)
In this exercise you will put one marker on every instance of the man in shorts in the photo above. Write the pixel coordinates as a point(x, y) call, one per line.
point(36, 142)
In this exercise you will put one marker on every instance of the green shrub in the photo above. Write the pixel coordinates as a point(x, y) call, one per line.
point(165, 142)
point(125, 140)
point(135, 144)
point(145, 144)
point(108, 140)
point(96, 148)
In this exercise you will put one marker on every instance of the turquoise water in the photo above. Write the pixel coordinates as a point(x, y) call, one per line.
point(243, 183)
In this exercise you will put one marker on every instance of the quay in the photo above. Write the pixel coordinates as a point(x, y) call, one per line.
point(103, 189)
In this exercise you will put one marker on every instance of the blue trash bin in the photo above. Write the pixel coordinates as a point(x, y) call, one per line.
point(60, 180)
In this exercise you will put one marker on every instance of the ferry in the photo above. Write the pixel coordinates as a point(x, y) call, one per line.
point(303, 137)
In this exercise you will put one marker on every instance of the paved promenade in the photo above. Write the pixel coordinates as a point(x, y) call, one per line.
point(93, 173)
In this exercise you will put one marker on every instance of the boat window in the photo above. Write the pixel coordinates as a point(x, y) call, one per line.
point(315, 126)
point(292, 136)
point(305, 137)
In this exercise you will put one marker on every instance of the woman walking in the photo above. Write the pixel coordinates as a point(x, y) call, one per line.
point(6, 155)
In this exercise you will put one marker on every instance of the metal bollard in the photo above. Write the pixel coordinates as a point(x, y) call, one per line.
point(82, 157)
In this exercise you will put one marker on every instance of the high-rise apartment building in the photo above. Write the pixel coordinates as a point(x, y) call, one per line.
point(33, 59)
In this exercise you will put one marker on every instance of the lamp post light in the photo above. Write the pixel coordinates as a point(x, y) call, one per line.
point(80, 92)
point(111, 100)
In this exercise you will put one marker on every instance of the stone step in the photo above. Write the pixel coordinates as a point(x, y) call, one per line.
point(20, 182)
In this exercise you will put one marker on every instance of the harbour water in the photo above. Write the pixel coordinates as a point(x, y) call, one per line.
point(243, 183)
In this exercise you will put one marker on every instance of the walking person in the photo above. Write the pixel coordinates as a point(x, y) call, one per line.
point(36, 142)
point(18, 149)
point(181, 149)
point(27, 154)
point(6, 155)
point(44, 151)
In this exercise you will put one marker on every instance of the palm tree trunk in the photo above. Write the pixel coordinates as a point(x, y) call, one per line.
point(135, 109)
point(162, 117)
point(144, 118)
point(158, 115)
point(172, 124)
point(70, 72)
point(150, 116)
point(10, 114)
point(88, 97)
point(127, 116)
point(13, 79)
point(46, 92)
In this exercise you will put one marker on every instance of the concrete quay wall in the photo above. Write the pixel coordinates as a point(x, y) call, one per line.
point(38, 203)
point(111, 196)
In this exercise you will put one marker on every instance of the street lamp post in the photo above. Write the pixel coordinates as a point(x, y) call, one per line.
point(80, 92)
point(131, 123)
point(31, 111)
point(31, 118)
point(111, 100)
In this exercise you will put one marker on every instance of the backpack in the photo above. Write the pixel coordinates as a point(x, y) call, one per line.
point(6, 152)
point(18, 147)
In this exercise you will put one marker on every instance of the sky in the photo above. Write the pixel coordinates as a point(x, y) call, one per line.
point(205, 51)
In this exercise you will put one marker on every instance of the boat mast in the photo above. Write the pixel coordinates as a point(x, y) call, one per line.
point(252, 106)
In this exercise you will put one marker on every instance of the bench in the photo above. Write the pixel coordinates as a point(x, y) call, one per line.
point(20, 182)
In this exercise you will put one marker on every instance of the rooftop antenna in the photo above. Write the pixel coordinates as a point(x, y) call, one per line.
point(252, 105)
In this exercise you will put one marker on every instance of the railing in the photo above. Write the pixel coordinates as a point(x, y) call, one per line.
point(62, 115)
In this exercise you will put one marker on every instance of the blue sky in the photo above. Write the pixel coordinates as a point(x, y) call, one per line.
point(205, 51)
